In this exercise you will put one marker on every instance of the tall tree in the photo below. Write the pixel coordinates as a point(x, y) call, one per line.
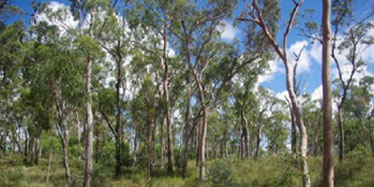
point(328, 135)
point(267, 23)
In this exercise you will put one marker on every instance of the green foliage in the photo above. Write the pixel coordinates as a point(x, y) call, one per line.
point(221, 173)
point(11, 177)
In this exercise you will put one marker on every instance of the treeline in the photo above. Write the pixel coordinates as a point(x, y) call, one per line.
point(152, 84)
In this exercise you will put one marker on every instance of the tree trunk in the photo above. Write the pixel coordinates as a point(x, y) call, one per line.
point(118, 134)
point(149, 150)
point(300, 123)
point(187, 135)
point(293, 133)
point(328, 135)
point(49, 165)
point(170, 151)
point(136, 143)
point(202, 145)
point(62, 129)
point(162, 142)
point(78, 123)
point(89, 127)
point(65, 160)
point(26, 146)
point(50, 156)
point(245, 135)
point(341, 134)
point(259, 137)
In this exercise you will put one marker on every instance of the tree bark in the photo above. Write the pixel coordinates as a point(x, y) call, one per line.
point(328, 135)
point(162, 142)
point(341, 134)
point(89, 126)
point(202, 145)
point(245, 134)
point(78, 126)
point(118, 134)
point(293, 132)
point(170, 151)
point(49, 165)
point(282, 53)
point(259, 135)
point(188, 132)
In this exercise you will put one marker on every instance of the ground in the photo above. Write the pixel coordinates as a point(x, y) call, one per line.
point(356, 170)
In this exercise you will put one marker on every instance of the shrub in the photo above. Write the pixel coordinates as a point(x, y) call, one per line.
point(221, 173)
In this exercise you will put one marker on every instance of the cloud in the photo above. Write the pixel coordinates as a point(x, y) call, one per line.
point(315, 52)
point(228, 31)
point(64, 20)
point(275, 66)
point(317, 94)
point(304, 63)
point(304, 59)
point(282, 95)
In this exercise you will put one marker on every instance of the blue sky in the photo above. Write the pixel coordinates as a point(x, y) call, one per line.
point(309, 65)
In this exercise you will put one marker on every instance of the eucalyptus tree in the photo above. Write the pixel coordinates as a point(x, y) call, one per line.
point(358, 110)
point(349, 39)
point(147, 102)
point(354, 41)
point(155, 19)
point(276, 131)
point(328, 136)
point(312, 113)
point(11, 60)
point(245, 101)
point(114, 37)
point(268, 103)
point(90, 20)
point(205, 54)
point(268, 24)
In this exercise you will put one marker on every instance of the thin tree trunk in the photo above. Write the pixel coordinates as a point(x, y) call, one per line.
point(170, 151)
point(118, 117)
point(78, 126)
point(66, 158)
point(282, 53)
point(259, 137)
point(49, 165)
point(293, 133)
point(26, 146)
point(149, 150)
point(50, 156)
point(302, 129)
point(245, 135)
point(328, 135)
point(36, 149)
point(202, 144)
point(136, 143)
point(341, 134)
point(89, 127)
point(62, 129)
point(188, 132)
point(162, 142)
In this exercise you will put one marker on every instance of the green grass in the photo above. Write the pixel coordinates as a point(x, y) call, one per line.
point(355, 171)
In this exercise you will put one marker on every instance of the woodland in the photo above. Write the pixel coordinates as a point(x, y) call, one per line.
point(148, 93)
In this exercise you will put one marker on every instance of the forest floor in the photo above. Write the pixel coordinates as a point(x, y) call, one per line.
point(355, 170)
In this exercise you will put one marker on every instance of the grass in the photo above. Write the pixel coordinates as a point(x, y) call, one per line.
point(273, 171)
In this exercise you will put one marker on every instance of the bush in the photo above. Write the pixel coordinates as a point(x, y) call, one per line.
point(221, 173)
point(11, 176)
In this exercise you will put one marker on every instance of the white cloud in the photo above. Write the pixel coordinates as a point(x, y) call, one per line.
point(317, 94)
point(282, 95)
point(228, 31)
point(275, 66)
point(316, 52)
point(64, 20)
point(304, 59)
